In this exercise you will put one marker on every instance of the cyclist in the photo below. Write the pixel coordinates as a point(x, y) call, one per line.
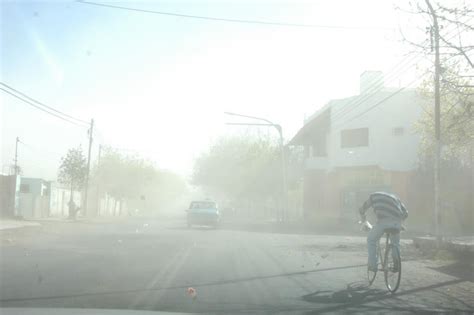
point(390, 213)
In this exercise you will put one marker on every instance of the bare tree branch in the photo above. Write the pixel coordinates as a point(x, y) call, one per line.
point(456, 22)
point(463, 11)
point(420, 46)
point(460, 49)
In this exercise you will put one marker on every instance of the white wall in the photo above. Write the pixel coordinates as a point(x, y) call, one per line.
point(397, 153)
point(59, 200)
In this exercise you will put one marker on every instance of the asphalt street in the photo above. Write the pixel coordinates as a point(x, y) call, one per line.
point(149, 264)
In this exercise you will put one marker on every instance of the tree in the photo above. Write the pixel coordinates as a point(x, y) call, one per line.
point(455, 26)
point(457, 118)
point(451, 172)
point(72, 171)
point(136, 181)
point(242, 170)
point(456, 87)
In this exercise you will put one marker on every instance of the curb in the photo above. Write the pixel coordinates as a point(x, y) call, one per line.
point(12, 225)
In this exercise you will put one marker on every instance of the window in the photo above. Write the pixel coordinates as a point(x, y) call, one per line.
point(351, 138)
point(24, 188)
point(398, 131)
point(203, 205)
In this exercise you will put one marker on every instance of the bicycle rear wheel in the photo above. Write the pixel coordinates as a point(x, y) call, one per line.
point(392, 268)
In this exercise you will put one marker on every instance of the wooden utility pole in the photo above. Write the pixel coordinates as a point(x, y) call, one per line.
point(91, 130)
point(437, 159)
point(16, 156)
point(285, 215)
point(98, 181)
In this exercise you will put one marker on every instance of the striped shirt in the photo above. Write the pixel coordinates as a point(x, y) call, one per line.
point(386, 206)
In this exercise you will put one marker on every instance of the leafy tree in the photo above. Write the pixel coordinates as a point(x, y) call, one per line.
point(137, 181)
point(72, 171)
point(243, 170)
point(456, 109)
point(456, 86)
point(457, 118)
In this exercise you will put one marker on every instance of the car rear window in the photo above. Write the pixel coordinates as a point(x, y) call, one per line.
point(203, 205)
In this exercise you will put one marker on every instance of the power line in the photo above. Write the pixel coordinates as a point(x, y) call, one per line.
point(211, 18)
point(375, 88)
point(376, 84)
point(44, 105)
point(359, 101)
point(365, 98)
point(378, 103)
point(41, 150)
point(41, 109)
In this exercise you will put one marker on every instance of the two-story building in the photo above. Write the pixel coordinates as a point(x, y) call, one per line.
point(358, 145)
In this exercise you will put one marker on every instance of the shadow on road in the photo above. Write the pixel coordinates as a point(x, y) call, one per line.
point(461, 269)
point(194, 228)
point(197, 285)
point(356, 295)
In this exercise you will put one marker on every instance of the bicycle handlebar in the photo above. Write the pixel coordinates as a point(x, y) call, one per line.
point(365, 226)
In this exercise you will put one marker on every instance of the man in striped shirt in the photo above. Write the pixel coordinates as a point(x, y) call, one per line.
point(390, 213)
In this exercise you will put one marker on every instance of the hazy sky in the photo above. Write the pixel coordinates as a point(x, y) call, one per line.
point(160, 84)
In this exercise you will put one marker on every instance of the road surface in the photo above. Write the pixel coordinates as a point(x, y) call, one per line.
point(149, 264)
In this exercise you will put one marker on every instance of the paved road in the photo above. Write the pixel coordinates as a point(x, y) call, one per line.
point(149, 264)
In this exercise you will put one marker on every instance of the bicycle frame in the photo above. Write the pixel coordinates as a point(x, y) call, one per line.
point(381, 256)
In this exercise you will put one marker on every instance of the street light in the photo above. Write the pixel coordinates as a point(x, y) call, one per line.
point(278, 127)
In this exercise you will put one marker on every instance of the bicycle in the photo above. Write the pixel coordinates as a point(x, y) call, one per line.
point(390, 262)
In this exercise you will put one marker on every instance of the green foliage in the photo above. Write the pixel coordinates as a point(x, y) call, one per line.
point(73, 169)
point(137, 181)
point(239, 168)
point(456, 84)
point(457, 119)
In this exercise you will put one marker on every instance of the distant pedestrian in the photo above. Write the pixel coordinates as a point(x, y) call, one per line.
point(72, 209)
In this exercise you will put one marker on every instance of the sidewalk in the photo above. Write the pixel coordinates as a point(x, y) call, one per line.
point(292, 227)
point(457, 245)
point(16, 224)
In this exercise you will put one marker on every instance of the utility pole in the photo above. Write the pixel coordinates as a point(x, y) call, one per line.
point(97, 192)
point(284, 178)
point(91, 130)
point(16, 156)
point(437, 160)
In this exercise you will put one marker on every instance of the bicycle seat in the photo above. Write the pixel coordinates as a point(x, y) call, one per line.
point(392, 231)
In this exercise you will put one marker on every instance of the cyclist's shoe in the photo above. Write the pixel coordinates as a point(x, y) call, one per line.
point(395, 267)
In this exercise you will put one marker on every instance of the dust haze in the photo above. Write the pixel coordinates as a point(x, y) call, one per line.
point(237, 157)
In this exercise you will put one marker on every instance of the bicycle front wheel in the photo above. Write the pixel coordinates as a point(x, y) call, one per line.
point(392, 268)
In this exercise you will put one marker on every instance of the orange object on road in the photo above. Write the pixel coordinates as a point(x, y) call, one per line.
point(192, 292)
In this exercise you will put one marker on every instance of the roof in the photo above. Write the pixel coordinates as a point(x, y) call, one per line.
point(34, 179)
point(321, 119)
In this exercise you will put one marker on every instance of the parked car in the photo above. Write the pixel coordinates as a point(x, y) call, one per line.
point(203, 213)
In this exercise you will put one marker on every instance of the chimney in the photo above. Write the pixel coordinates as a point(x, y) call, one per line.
point(371, 81)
